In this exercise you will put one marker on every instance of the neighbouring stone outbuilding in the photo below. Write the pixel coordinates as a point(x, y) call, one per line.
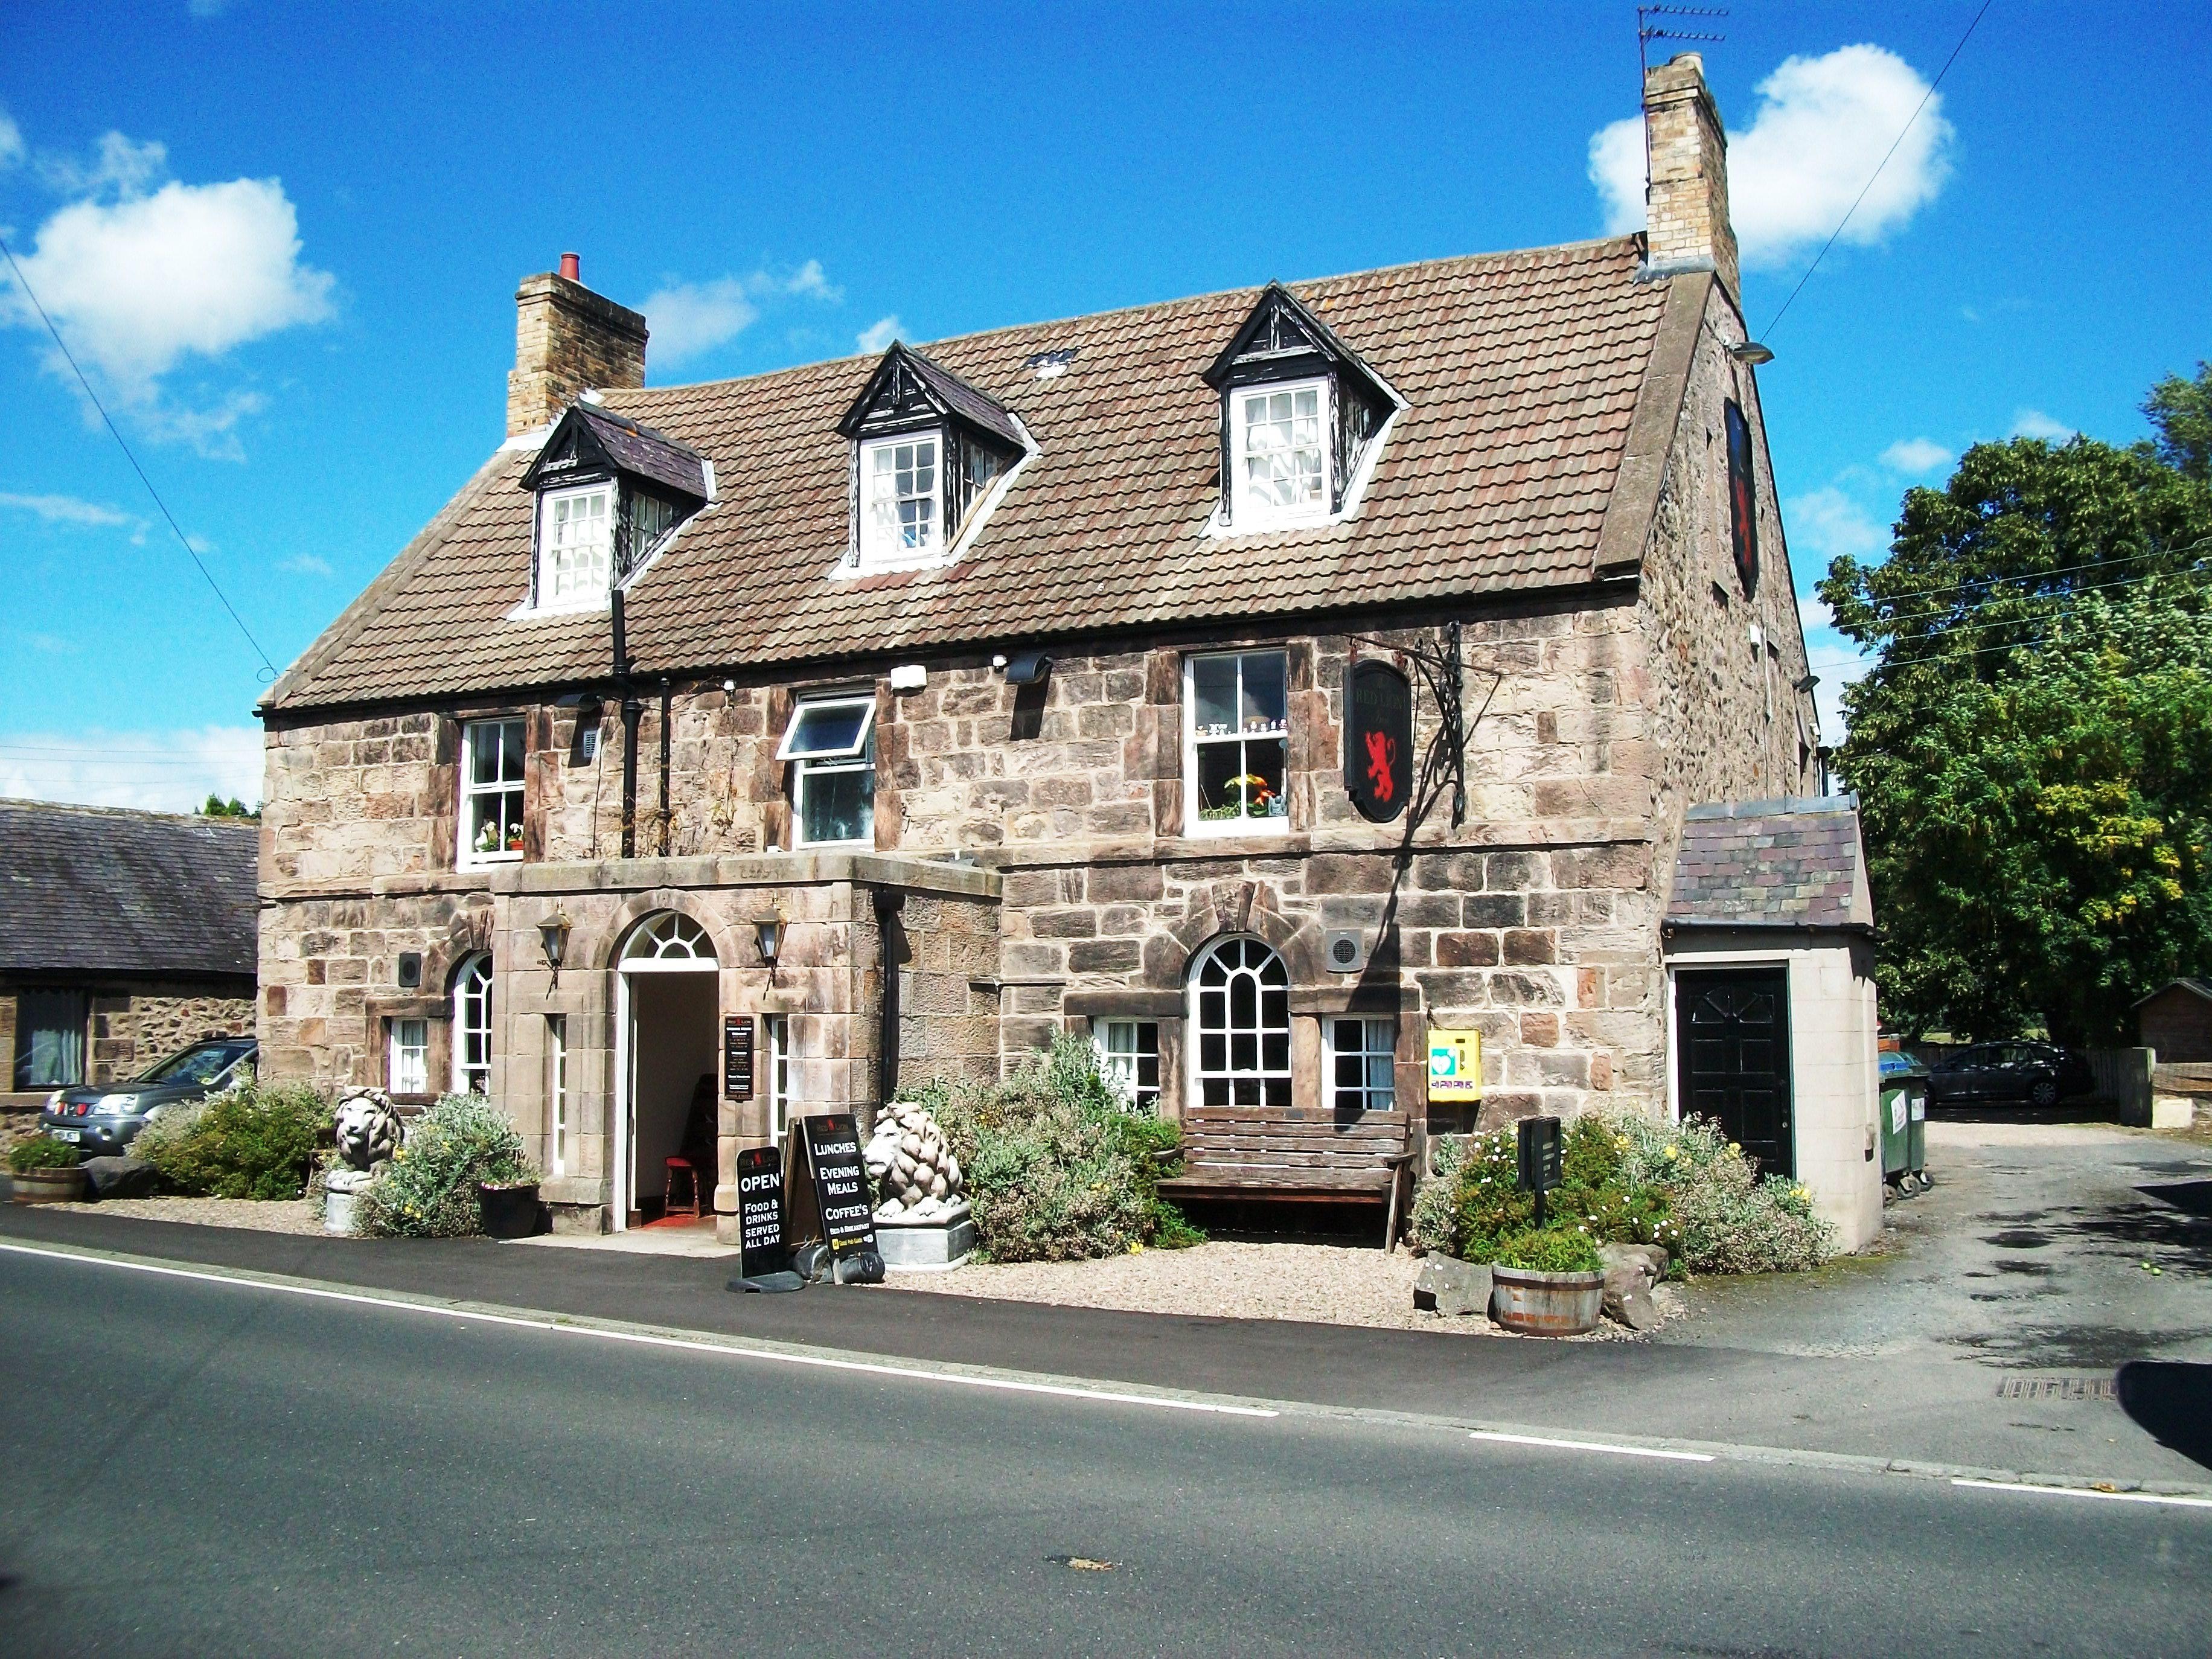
point(124, 936)
point(884, 717)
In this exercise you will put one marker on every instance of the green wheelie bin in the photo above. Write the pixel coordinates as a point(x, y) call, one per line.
point(1904, 1114)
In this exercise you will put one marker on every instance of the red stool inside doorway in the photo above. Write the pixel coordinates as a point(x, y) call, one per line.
point(689, 1171)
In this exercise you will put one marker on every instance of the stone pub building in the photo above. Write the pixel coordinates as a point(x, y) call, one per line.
point(897, 712)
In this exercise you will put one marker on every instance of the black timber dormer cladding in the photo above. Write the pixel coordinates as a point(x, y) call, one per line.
point(926, 447)
point(1294, 456)
point(610, 492)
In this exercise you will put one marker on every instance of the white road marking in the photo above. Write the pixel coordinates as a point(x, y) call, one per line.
point(2088, 1492)
point(561, 1327)
point(1589, 1445)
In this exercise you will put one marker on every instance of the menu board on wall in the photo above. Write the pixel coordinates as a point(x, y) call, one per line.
point(737, 1057)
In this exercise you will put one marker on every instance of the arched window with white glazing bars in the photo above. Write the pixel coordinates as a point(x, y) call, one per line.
point(667, 938)
point(1239, 1013)
point(472, 1027)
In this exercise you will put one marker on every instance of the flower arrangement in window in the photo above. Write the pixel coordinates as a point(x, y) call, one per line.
point(488, 838)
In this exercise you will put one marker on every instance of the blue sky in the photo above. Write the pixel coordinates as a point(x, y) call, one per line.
point(285, 240)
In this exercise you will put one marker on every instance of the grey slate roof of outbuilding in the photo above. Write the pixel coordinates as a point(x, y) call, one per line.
point(1542, 388)
point(98, 889)
point(1772, 864)
point(2200, 988)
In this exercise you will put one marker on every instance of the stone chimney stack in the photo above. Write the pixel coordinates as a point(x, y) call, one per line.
point(568, 338)
point(1686, 203)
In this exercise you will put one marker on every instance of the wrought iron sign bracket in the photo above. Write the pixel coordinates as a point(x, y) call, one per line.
point(1443, 762)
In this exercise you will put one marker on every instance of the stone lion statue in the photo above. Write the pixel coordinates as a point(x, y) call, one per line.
point(367, 1128)
point(916, 1174)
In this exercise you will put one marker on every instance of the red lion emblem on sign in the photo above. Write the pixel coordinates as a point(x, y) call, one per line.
point(1382, 761)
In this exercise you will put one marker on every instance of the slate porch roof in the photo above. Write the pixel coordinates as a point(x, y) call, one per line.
point(95, 889)
point(1772, 864)
point(1522, 372)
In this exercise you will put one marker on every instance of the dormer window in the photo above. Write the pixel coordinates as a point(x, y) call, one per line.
point(575, 544)
point(899, 478)
point(931, 455)
point(611, 495)
point(1282, 471)
point(1302, 419)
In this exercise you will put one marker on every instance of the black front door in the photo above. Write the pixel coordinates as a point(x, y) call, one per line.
point(1732, 1029)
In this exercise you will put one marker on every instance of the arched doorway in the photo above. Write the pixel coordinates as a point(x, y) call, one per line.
point(667, 1005)
point(1240, 1025)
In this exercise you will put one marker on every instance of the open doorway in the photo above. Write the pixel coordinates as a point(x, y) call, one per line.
point(669, 1004)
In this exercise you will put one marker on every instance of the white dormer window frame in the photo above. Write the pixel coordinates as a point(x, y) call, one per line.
point(1279, 436)
point(575, 565)
point(902, 499)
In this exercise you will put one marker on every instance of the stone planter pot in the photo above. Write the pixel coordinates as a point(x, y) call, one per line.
point(508, 1211)
point(48, 1187)
point(1546, 1305)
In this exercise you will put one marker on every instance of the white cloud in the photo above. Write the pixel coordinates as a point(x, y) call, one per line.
point(878, 335)
point(67, 510)
point(688, 318)
point(1835, 662)
point(2034, 423)
point(1821, 128)
point(11, 141)
point(307, 564)
point(685, 318)
point(1914, 456)
point(1829, 523)
point(119, 165)
point(165, 771)
point(1813, 613)
point(193, 270)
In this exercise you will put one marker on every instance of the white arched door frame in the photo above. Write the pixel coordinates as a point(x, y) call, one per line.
point(665, 942)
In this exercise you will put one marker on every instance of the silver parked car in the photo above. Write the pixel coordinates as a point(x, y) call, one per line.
point(102, 1119)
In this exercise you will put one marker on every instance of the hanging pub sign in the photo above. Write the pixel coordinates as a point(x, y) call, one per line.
point(844, 1201)
point(737, 1057)
point(1378, 738)
point(1743, 498)
point(760, 1213)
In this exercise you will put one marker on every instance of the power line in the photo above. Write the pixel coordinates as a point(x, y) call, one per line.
point(1899, 620)
point(1869, 183)
point(183, 540)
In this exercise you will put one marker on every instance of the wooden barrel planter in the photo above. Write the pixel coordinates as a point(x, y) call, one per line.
point(1546, 1305)
point(48, 1187)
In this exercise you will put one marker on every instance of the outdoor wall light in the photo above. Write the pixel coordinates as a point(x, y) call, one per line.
point(1753, 353)
point(770, 935)
point(553, 933)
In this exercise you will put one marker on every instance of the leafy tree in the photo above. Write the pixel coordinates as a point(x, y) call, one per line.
point(2028, 749)
point(217, 807)
point(2182, 411)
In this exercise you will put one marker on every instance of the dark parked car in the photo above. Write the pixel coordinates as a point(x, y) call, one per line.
point(2035, 1073)
point(105, 1118)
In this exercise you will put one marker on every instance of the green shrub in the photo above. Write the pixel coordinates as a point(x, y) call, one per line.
point(1627, 1181)
point(1558, 1248)
point(41, 1152)
point(1057, 1169)
point(429, 1190)
point(254, 1140)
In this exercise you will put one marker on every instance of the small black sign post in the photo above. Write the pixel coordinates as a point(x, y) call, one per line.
point(737, 1057)
point(1378, 739)
point(1540, 1149)
point(843, 1197)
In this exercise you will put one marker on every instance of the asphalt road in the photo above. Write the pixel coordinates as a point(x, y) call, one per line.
point(197, 1468)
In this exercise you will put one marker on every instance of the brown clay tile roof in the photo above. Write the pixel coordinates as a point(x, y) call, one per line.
point(1521, 373)
point(1771, 863)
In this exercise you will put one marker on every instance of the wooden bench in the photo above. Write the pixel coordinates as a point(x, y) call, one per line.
point(1289, 1155)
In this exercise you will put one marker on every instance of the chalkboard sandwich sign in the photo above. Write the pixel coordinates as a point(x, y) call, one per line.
point(844, 1198)
point(763, 1259)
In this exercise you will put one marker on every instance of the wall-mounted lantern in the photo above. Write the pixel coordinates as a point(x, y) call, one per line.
point(553, 933)
point(770, 936)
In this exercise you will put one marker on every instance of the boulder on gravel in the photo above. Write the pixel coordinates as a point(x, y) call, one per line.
point(1446, 1284)
point(1630, 1270)
point(118, 1178)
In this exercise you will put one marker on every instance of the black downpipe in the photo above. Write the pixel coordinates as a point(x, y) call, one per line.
point(888, 905)
point(631, 708)
point(664, 766)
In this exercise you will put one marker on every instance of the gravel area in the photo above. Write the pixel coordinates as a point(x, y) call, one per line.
point(294, 1215)
point(1319, 1283)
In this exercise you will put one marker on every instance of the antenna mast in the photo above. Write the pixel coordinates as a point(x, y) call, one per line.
point(1647, 31)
